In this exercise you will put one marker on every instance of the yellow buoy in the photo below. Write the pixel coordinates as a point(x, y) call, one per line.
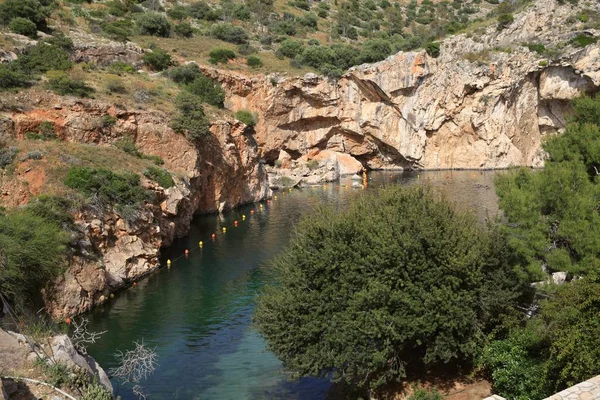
point(324, 186)
point(260, 206)
point(112, 296)
point(200, 244)
point(290, 189)
point(169, 263)
point(275, 198)
point(243, 217)
point(224, 229)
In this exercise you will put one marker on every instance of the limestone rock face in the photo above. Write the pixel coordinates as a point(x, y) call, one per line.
point(113, 250)
point(472, 107)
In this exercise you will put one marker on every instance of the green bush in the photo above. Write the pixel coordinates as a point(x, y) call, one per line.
point(120, 30)
point(424, 394)
point(33, 10)
point(33, 253)
point(536, 47)
point(23, 26)
point(229, 33)
point(120, 68)
point(44, 131)
point(504, 21)
point(153, 24)
point(374, 50)
point(254, 62)
point(115, 86)
point(185, 73)
point(399, 283)
point(43, 57)
point(110, 188)
point(583, 40)
point(11, 78)
point(549, 225)
point(201, 10)
point(433, 49)
point(246, 117)
point(184, 30)
point(208, 90)
point(7, 156)
point(290, 48)
point(127, 144)
point(178, 12)
point(61, 83)
point(157, 60)
point(160, 176)
point(220, 55)
point(191, 120)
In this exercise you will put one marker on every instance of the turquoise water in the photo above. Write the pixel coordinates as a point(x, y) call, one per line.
point(197, 314)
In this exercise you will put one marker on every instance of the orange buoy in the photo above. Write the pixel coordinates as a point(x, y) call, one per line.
point(68, 321)
point(214, 236)
point(251, 211)
point(235, 223)
point(134, 284)
point(268, 201)
point(186, 252)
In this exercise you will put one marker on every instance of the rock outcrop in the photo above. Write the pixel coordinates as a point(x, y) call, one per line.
point(477, 105)
point(113, 250)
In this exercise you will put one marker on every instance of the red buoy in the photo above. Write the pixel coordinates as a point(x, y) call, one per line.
point(235, 223)
point(187, 252)
point(251, 211)
point(214, 235)
point(68, 321)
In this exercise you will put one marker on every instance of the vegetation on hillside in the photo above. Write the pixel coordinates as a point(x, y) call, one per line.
point(551, 222)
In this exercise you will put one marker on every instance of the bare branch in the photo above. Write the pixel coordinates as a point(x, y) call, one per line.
point(136, 364)
point(81, 337)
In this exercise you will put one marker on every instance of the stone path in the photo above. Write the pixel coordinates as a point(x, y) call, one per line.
point(586, 390)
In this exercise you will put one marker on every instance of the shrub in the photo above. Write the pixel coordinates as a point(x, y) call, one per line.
point(42, 58)
point(108, 121)
point(185, 73)
point(220, 56)
point(35, 155)
point(61, 83)
point(119, 30)
point(583, 40)
point(119, 68)
point(312, 164)
point(115, 86)
point(290, 48)
point(23, 26)
point(433, 49)
point(7, 156)
point(229, 33)
point(44, 131)
point(246, 117)
point(424, 394)
point(33, 253)
point(157, 60)
point(111, 188)
point(397, 284)
point(11, 78)
point(127, 144)
point(160, 176)
point(184, 30)
point(536, 47)
point(153, 24)
point(201, 10)
point(375, 50)
point(208, 90)
point(504, 21)
point(191, 120)
point(178, 12)
point(254, 62)
point(245, 49)
point(32, 10)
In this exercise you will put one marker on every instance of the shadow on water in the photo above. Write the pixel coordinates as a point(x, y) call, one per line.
point(198, 313)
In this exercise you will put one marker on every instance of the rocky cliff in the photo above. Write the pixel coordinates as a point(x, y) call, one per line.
point(485, 102)
point(217, 173)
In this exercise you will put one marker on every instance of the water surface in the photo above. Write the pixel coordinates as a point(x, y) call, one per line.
point(197, 314)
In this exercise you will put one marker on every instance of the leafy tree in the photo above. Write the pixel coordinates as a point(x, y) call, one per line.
point(153, 24)
point(12, 78)
point(375, 50)
point(552, 215)
point(23, 26)
point(178, 12)
point(202, 11)
point(399, 283)
point(191, 120)
point(157, 60)
point(220, 55)
point(208, 90)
